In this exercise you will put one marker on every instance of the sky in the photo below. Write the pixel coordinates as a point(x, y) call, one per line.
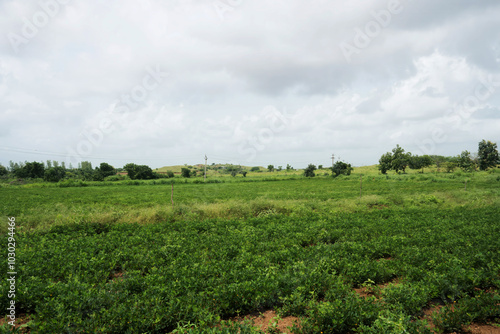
point(246, 82)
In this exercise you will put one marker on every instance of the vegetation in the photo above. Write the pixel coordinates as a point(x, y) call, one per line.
point(139, 172)
point(122, 257)
point(309, 171)
point(341, 168)
point(488, 155)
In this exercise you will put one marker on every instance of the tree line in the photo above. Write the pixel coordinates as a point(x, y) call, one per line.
point(398, 160)
point(53, 171)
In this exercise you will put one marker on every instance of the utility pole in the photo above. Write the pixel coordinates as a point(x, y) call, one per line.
point(333, 157)
point(205, 176)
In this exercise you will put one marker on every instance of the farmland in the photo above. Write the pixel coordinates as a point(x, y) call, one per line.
point(402, 252)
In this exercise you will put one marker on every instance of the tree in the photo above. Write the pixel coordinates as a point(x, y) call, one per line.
point(320, 166)
point(280, 168)
point(465, 162)
point(385, 163)
point(255, 169)
point(419, 162)
point(341, 168)
point(3, 171)
point(270, 168)
point(54, 174)
point(86, 165)
point(244, 173)
point(185, 172)
point(488, 155)
point(309, 171)
point(399, 159)
point(140, 172)
point(288, 167)
point(31, 170)
point(450, 166)
point(170, 174)
point(107, 170)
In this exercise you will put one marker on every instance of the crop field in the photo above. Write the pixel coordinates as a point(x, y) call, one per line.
point(411, 253)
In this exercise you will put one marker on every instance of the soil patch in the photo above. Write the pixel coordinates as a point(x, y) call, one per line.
point(374, 290)
point(482, 329)
point(266, 320)
point(20, 320)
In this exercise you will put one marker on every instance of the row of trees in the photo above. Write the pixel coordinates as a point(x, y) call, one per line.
point(398, 160)
point(52, 171)
point(339, 168)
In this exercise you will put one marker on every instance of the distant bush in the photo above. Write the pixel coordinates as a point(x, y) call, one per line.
point(309, 171)
point(185, 172)
point(341, 168)
point(115, 178)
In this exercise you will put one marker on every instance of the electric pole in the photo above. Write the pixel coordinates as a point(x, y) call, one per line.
point(333, 157)
point(205, 176)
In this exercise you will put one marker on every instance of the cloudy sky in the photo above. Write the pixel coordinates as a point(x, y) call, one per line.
point(246, 82)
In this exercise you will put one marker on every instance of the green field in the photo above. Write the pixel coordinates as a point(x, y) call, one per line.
point(119, 257)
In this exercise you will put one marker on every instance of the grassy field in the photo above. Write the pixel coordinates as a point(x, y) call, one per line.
point(406, 253)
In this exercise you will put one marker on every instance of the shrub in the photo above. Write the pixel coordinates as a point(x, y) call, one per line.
point(185, 172)
point(309, 171)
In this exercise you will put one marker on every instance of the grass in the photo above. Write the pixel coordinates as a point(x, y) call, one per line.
point(117, 257)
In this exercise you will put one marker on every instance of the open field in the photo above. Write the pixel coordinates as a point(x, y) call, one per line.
point(118, 257)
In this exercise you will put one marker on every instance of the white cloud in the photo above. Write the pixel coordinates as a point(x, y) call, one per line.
point(282, 55)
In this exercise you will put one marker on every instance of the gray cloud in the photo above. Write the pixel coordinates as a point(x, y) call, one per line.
point(84, 72)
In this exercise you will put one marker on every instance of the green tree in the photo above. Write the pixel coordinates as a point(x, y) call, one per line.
point(385, 163)
point(450, 166)
point(106, 169)
point(309, 171)
point(419, 162)
point(341, 168)
point(54, 174)
point(255, 169)
point(131, 170)
point(3, 171)
point(488, 155)
point(465, 162)
point(270, 168)
point(170, 174)
point(288, 167)
point(86, 166)
point(185, 172)
point(140, 172)
point(399, 159)
point(31, 170)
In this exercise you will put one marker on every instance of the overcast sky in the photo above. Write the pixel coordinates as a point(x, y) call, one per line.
point(246, 82)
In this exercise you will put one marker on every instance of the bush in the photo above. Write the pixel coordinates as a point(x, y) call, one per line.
point(54, 174)
point(341, 168)
point(309, 171)
point(185, 172)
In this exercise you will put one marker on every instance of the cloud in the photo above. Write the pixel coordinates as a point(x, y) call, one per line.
point(229, 72)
